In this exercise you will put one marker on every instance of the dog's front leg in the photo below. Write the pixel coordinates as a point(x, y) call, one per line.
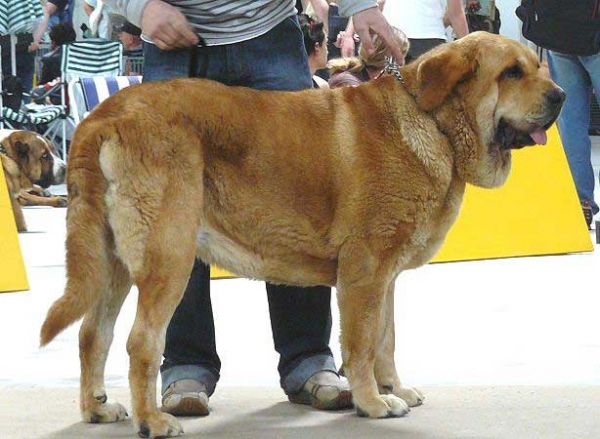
point(18, 214)
point(386, 373)
point(361, 292)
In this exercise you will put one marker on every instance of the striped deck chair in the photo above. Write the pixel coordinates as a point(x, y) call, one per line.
point(86, 93)
point(83, 59)
point(30, 117)
point(15, 115)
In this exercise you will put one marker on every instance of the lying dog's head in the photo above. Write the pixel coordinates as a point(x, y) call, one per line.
point(489, 94)
point(35, 158)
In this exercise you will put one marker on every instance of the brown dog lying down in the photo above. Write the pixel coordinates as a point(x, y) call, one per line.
point(344, 187)
point(29, 162)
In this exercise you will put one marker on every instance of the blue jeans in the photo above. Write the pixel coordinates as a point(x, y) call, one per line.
point(577, 75)
point(300, 317)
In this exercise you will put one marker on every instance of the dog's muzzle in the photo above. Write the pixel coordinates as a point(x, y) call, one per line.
point(509, 137)
point(59, 171)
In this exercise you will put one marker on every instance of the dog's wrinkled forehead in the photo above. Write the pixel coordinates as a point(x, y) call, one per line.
point(36, 143)
point(496, 58)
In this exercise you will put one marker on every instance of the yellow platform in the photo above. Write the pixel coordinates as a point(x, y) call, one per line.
point(536, 212)
point(12, 270)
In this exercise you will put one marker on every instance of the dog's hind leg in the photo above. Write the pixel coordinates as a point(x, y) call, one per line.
point(95, 338)
point(161, 279)
point(386, 373)
point(161, 287)
point(362, 287)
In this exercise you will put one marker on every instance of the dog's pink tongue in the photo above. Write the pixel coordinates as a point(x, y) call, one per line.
point(539, 136)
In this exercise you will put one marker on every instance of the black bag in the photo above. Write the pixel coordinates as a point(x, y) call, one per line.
point(477, 22)
point(566, 26)
point(12, 92)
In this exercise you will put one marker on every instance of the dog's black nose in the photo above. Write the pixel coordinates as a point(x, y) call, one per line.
point(556, 96)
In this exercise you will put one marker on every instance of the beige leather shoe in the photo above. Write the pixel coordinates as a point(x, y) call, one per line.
point(186, 398)
point(325, 390)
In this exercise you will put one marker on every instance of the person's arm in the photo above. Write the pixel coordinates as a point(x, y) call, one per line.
point(162, 23)
point(321, 8)
point(130, 9)
point(367, 17)
point(457, 18)
point(347, 43)
point(48, 10)
point(87, 8)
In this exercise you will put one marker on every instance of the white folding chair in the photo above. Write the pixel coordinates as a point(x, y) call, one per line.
point(83, 59)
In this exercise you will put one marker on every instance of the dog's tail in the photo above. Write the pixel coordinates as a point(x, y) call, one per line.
point(90, 243)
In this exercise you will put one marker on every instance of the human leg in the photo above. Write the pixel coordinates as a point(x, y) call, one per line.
point(574, 120)
point(25, 62)
point(191, 366)
point(300, 317)
point(592, 66)
point(301, 324)
point(190, 356)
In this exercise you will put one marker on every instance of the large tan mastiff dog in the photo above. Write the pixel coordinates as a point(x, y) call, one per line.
point(344, 187)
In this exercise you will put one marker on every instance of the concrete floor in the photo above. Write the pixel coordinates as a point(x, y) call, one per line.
point(502, 349)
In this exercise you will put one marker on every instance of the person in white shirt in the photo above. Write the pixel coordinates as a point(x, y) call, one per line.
point(99, 20)
point(424, 22)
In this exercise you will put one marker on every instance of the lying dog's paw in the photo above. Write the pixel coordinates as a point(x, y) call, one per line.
point(413, 397)
point(60, 202)
point(105, 413)
point(384, 406)
point(159, 425)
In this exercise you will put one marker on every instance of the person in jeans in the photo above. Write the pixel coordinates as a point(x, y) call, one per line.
point(578, 76)
point(254, 44)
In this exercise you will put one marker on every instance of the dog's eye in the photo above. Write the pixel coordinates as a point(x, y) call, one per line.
point(514, 72)
point(46, 156)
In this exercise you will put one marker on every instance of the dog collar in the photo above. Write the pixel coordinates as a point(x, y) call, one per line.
point(392, 68)
point(3, 150)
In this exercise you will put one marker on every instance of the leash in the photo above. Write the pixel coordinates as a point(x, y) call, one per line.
point(392, 68)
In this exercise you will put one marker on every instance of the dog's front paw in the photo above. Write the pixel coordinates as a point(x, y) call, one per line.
point(60, 202)
point(383, 406)
point(413, 397)
point(104, 413)
point(159, 425)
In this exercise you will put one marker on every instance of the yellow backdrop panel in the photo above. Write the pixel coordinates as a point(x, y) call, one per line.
point(536, 212)
point(12, 270)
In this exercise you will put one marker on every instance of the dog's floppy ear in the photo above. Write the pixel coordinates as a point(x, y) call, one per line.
point(21, 148)
point(438, 74)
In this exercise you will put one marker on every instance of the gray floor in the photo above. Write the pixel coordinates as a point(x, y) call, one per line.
point(502, 348)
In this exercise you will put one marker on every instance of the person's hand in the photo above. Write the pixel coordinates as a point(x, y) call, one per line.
point(129, 41)
point(348, 45)
point(166, 26)
point(372, 20)
point(33, 46)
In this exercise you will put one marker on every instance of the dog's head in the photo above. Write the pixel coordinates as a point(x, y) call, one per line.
point(490, 95)
point(36, 159)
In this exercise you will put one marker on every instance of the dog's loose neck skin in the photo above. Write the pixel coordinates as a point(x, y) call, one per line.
point(459, 125)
